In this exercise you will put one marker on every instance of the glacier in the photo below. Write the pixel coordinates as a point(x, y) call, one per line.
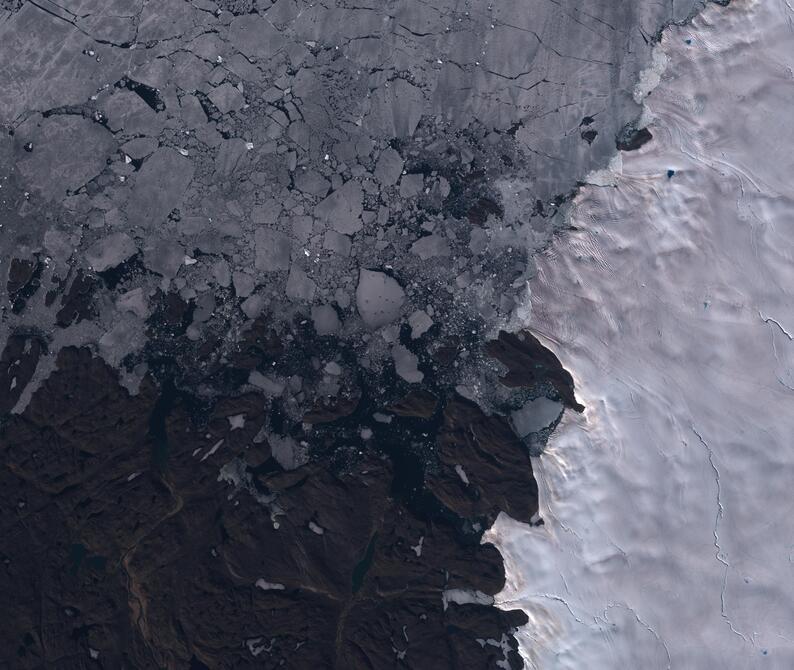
point(668, 534)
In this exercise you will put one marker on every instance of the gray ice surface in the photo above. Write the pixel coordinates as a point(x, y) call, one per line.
point(287, 153)
point(109, 251)
point(405, 364)
point(379, 298)
point(326, 320)
point(535, 415)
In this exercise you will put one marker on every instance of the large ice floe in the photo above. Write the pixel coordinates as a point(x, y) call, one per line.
point(668, 535)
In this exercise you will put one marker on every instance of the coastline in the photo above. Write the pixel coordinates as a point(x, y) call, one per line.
point(702, 511)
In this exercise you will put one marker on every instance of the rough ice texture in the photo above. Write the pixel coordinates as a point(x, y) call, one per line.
point(438, 141)
point(668, 530)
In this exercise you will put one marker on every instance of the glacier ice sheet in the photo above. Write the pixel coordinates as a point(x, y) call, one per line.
point(669, 536)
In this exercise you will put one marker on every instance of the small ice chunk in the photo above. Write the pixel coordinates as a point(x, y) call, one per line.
point(312, 182)
point(110, 251)
point(267, 212)
point(243, 284)
point(222, 273)
point(418, 546)
point(288, 453)
point(273, 250)
point(382, 418)
point(333, 368)
point(252, 306)
point(420, 323)
point(389, 167)
point(255, 644)
point(226, 98)
point(390, 334)
point(163, 257)
point(342, 298)
point(478, 241)
point(314, 528)
point(465, 597)
point(405, 363)
point(236, 421)
point(300, 286)
point(337, 243)
point(268, 586)
point(342, 209)
point(535, 415)
point(302, 228)
point(379, 298)
point(214, 448)
point(411, 185)
point(134, 301)
point(270, 386)
point(430, 246)
point(326, 321)
point(462, 474)
point(464, 279)
point(366, 433)
point(466, 391)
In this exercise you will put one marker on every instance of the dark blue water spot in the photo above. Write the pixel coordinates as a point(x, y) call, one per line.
point(670, 174)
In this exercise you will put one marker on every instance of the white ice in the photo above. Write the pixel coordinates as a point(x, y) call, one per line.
point(669, 514)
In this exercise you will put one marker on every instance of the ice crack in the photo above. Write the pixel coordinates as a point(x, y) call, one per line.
point(645, 625)
point(719, 555)
point(769, 319)
point(548, 596)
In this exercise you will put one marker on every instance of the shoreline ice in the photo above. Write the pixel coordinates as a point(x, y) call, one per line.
point(668, 539)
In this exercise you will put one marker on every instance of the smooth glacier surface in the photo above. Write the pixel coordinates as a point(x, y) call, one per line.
point(668, 506)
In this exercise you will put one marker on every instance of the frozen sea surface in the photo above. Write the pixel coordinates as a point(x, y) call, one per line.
point(669, 505)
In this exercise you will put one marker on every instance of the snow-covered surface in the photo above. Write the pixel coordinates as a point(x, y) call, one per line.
point(669, 513)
